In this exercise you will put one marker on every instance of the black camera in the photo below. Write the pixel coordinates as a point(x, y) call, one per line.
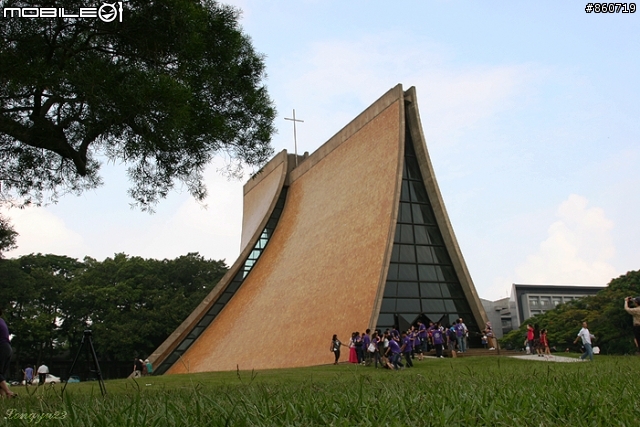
point(634, 302)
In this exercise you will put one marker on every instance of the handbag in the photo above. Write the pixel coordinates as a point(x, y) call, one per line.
point(372, 348)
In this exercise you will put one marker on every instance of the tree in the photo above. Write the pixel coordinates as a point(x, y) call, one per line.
point(7, 236)
point(131, 304)
point(163, 91)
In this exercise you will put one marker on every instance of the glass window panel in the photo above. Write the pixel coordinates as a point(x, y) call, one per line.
point(388, 305)
point(418, 192)
point(439, 273)
point(408, 144)
point(434, 236)
point(395, 253)
point(393, 272)
point(216, 308)
point(206, 320)
point(424, 255)
point(455, 290)
point(422, 214)
point(405, 212)
point(449, 273)
point(173, 358)
point(421, 235)
point(195, 332)
point(430, 290)
point(407, 253)
point(432, 305)
point(453, 318)
point(437, 317)
point(407, 272)
point(404, 170)
point(385, 321)
point(413, 170)
point(445, 290)
point(441, 255)
point(406, 233)
point(408, 305)
point(408, 289)
point(449, 306)
point(390, 289)
point(233, 286)
point(397, 237)
point(428, 272)
point(404, 196)
point(185, 344)
point(225, 297)
point(462, 307)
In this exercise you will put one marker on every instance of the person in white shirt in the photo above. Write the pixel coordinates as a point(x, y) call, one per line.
point(43, 370)
point(586, 337)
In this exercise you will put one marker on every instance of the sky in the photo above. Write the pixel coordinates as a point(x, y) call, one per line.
point(531, 113)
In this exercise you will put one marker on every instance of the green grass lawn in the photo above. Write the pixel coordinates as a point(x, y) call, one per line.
point(481, 391)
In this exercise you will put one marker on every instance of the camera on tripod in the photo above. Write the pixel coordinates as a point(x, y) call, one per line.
point(86, 339)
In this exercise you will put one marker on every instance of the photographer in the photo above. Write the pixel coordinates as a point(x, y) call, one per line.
point(635, 312)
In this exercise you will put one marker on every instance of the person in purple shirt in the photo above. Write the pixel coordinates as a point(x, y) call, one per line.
point(437, 336)
point(5, 358)
point(393, 352)
point(422, 338)
point(459, 328)
point(407, 348)
point(366, 340)
point(28, 375)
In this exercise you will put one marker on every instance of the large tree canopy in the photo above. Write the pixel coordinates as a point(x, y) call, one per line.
point(163, 91)
point(131, 304)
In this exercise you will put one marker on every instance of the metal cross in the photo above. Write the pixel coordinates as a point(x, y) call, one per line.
point(295, 140)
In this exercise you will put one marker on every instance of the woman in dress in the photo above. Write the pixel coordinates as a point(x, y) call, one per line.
point(5, 358)
point(353, 355)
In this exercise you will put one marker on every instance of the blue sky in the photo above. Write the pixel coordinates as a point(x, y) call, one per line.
point(530, 110)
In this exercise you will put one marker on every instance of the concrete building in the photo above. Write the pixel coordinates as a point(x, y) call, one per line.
point(528, 300)
point(355, 236)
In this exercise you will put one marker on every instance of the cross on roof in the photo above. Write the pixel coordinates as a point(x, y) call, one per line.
point(295, 140)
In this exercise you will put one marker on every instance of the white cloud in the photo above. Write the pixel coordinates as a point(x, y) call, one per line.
point(339, 78)
point(577, 250)
point(41, 231)
point(213, 231)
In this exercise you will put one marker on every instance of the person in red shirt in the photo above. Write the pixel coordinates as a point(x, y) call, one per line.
point(544, 343)
point(530, 338)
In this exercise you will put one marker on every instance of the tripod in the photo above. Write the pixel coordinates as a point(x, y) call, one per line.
point(87, 336)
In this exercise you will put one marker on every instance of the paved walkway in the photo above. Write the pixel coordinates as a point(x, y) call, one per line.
point(552, 358)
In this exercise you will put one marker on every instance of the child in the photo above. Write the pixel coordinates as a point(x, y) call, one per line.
point(484, 341)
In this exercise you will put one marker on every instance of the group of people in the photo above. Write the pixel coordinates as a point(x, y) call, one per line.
point(388, 348)
point(537, 341)
point(142, 368)
point(28, 374)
